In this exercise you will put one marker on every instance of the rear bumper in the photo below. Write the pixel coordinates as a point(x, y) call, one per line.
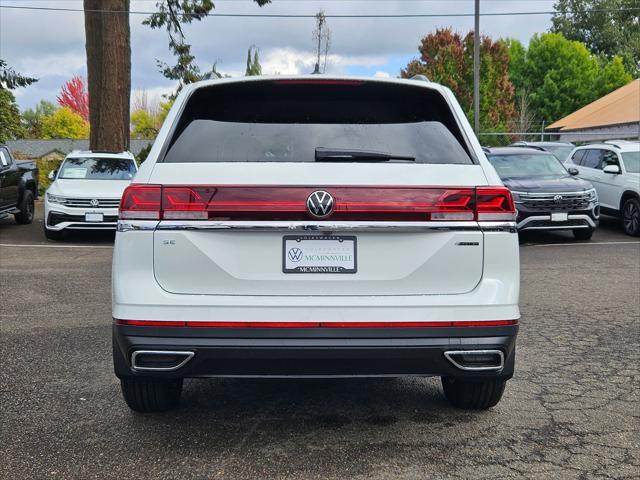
point(313, 352)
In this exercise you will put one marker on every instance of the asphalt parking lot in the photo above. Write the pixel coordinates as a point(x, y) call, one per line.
point(571, 411)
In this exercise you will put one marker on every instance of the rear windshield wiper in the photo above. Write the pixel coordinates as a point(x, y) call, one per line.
point(337, 155)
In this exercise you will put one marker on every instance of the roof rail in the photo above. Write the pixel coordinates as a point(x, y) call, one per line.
point(618, 143)
point(527, 145)
point(422, 78)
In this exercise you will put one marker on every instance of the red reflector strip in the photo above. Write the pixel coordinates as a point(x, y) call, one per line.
point(461, 323)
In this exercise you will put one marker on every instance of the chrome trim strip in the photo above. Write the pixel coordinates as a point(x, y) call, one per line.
point(498, 227)
point(188, 354)
point(551, 194)
point(523, 224)
point(130, 225)
point(450, 353)
point(317, 226)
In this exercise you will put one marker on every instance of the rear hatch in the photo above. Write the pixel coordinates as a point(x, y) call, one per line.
point(236, 177)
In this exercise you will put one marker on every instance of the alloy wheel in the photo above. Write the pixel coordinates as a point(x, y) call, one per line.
point(631, 217)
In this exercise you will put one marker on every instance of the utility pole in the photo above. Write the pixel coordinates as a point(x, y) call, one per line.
point(476, 69)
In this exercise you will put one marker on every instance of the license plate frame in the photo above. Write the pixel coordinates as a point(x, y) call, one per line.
point(333, 247)
point(559, 217)
point(94, 217)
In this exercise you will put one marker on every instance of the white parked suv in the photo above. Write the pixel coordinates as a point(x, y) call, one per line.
point(315, 227)
point(85, 192)
point(614, 170)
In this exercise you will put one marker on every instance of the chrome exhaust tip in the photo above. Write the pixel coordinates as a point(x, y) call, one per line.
point(159, 360)
point(476, 360)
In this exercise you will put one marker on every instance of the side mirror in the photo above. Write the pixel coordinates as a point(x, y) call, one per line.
point(52, 175)
point(613, 169)
point(573, 171)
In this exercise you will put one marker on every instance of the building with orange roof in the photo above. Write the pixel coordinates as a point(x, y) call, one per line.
point(614, 116)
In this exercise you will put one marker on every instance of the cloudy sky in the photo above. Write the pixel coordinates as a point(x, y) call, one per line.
point(50, 44)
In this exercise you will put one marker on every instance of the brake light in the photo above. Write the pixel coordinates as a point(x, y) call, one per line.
point(140, 202)
point(289, 203)
point(494, 204)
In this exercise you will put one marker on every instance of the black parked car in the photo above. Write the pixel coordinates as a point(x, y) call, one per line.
point(560, 150)
point(18, 187)
point(547, 195)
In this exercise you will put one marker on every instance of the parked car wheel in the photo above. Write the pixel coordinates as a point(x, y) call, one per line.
point(583, 233)
point(53, 234)
point(27, 207)
point(631, 217)
point(146, 395)
point(473, 395)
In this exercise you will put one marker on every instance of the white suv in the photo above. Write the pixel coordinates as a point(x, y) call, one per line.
point(614, 170)
point(315, 227)
point(85, 192)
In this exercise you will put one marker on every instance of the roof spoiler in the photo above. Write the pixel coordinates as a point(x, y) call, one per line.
point(422, 78)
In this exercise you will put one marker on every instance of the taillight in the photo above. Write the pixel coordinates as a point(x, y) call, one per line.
point(140, 202)
point(494, 204)
point(289, 203)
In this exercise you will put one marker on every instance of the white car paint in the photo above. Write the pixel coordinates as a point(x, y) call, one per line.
point(231, 275)
point(106, 192)
point(610, 186)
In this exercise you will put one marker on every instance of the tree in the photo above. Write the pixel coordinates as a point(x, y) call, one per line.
point(253, 63)
point(171, 15)
point(606, 27)
point(74, 95)
point(10, 79)
point(561, 76)
point(32, 119)
point(446, 57)
point(10, 126)
point(108, 46)
point(612, 76)
point(64, 123)
point(147, 124)
point(322, 41)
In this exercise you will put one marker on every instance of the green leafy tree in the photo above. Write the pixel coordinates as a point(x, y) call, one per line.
point(606, 27)
point(560, 76)
point(65, 123)
point(10, 126)
point(146, 125)
point(10, 79)
point(447, 58)
point(253, 63)
point(172, 15)
point(612, 75)
point(32, 118)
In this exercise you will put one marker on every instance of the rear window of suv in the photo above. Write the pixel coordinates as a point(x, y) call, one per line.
point(286, 121)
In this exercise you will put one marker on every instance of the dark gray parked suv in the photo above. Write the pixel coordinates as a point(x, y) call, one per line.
point(546, 194)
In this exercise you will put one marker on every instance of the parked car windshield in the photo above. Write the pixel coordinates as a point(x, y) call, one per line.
point(527, 165)
point(87, 168)
point(559, 151)
point(631, 161)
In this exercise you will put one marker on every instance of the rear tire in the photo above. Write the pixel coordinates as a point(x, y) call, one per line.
point(147, 395)
point(27, 207)
point(631, 217)
point(583, 233)
point(53, 234)
point(473, 395)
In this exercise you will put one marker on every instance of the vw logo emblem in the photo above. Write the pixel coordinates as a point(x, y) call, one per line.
point(320, 204)
point(94, 203)
point(295, 254)
point(558, 198)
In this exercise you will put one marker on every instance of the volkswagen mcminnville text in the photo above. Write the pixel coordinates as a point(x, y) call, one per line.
point(315, 227)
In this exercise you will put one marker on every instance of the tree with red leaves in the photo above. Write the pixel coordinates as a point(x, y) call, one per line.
point(75, 96)
point(446, 57)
